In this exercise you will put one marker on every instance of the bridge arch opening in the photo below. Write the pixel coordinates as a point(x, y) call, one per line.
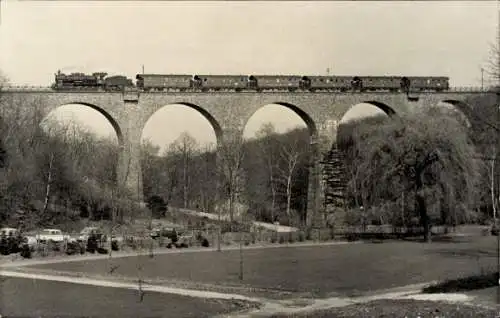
point(457, 108)
point(278, 139)
point(169, 122)
point(79, 157)
point(364, 110)
point(85, 116)
point(284, 116)
point(178, 158)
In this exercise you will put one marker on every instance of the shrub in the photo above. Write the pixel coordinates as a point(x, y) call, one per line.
point(42, 249)
point(13, 244)
point(301, 236)
point(254, 237)
point(309, 234)
point(53, 246)
point(114, 246)
point(102, 250)
point(25, 251)
point(205, 243)
point(282, 239)
point(351, 237)
point(92, 244)
point(72, 248)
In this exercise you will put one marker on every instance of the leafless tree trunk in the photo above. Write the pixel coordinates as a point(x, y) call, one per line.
point(267, 134)
point(291, 156)
point(231, 154)
point(186, 146)
point(49, 181)
point(185, 177)
point(492, 187)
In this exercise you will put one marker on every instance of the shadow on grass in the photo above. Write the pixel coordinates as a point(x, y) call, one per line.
point(464, 284)
point(407, 237)
point(439, 239)
point(468, 252)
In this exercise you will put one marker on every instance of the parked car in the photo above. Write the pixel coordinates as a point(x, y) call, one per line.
point(51, 235)
point(91, 230)
point(9, 231)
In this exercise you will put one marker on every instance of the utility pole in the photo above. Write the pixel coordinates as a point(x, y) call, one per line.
point(482, 79)
point(142, 69)
point(241, 248)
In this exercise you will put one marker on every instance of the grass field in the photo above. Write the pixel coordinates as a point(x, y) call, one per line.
point(38, 298)
point(343, 270)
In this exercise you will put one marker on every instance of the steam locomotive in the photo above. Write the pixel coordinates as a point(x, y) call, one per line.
point(96, 81)
point(259, 83)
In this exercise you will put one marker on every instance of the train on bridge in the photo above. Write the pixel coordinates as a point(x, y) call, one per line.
point(240, 83)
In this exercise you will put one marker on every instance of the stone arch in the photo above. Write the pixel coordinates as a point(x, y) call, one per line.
point(108, 116)
point(382, 106)
point(213, 122)
point(462, 109)
point(311, 125)
point(388, 110)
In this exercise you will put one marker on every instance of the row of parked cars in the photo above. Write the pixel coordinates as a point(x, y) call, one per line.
point(90, 239)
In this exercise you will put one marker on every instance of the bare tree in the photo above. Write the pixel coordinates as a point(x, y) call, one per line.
point(493, 69)
point(231, 153)
point(205, 175)
point(267, 136)
point(290, 154)
point(186, 146)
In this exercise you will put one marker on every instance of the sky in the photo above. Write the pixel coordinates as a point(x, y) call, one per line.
point(371, 38)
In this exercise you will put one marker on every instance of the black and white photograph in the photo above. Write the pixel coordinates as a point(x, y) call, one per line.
point(192, 159)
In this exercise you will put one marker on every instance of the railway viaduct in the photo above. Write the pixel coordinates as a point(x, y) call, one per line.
point(228, 113)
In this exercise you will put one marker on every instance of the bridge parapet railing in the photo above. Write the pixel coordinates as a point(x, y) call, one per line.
point(24, 88)
point(473, 89)
point(458, 89)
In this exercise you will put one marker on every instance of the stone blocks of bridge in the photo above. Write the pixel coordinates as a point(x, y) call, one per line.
point(228, 113)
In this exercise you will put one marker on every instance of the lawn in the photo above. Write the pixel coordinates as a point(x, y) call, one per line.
point(38, 298)
point(343, 270)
